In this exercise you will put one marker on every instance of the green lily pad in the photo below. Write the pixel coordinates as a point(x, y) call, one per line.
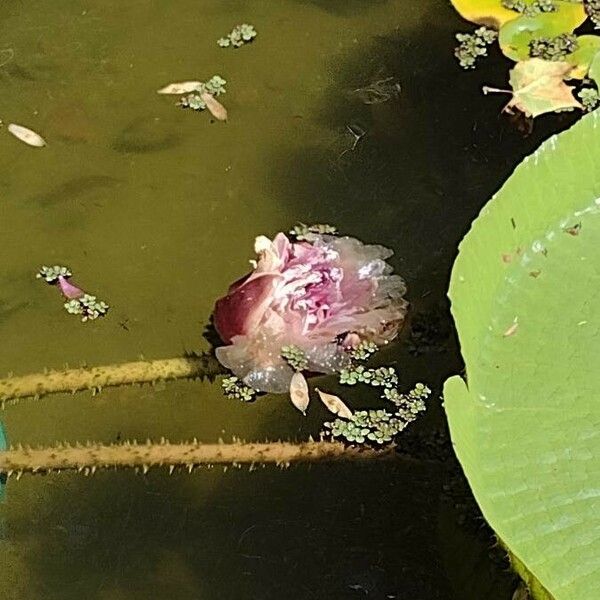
point(525, 298)
point(594, 70)
point(582, 58)
point(515, 35)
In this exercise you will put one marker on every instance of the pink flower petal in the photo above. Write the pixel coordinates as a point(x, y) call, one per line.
point(69, 290)
point(243, 307)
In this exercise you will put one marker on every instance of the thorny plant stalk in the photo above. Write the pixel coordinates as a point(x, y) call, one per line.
point(88, 458)
point(36, 385)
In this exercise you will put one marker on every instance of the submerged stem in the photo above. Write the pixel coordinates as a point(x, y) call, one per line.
point(96, 378)
point(89, 458)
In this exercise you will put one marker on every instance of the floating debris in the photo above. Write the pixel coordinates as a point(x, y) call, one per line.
point(239, 36)
point(183, 87)
point(29, 137)
point(215, 86)
point(78, 302)
point(299, 392)
point(88, 306)
point(216, 109)
point(379, 91)
point(334, 404)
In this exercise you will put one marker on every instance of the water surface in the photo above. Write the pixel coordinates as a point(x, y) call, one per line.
point(155, 209)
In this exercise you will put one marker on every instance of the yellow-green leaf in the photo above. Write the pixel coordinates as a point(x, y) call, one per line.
point(538, 87)
point(581, 59)
point(484, 12)
point(594, 71)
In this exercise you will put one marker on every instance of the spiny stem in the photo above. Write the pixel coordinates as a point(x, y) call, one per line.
point(96, 378)
point(142, 456)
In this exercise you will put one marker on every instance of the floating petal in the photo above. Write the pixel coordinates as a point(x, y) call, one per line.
point(69, 290)
point(183, 87)
point(217, 110)
point(28, 136)
point(299, 392)
point(334, 405)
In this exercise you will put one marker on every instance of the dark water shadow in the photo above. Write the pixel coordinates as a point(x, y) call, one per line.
point(412, 173)
point(344, 7)
point(270, 535)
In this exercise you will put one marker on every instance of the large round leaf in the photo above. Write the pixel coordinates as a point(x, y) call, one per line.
point(525, 293)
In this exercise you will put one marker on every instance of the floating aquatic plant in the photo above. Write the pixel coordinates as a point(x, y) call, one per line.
point(530, 9)
point(381, 426)
point(592, 9)
point(295, 357)
point(363, 351)
point(215, 86)
point(473, 46)
point(239, 36)
point(555, 48)
point(87, 306)
point(51, 274)
point(77, 302)
point(380, 377)
point(237, 390)
point(589, 98)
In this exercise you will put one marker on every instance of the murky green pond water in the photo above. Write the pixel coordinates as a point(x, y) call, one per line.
point(155, 209)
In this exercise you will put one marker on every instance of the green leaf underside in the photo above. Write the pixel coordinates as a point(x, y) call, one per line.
point(525, 298)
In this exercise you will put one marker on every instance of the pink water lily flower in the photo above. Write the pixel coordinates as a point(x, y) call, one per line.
point(324, 296)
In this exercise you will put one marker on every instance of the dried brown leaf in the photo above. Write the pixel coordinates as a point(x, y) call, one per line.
point(217, 110)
